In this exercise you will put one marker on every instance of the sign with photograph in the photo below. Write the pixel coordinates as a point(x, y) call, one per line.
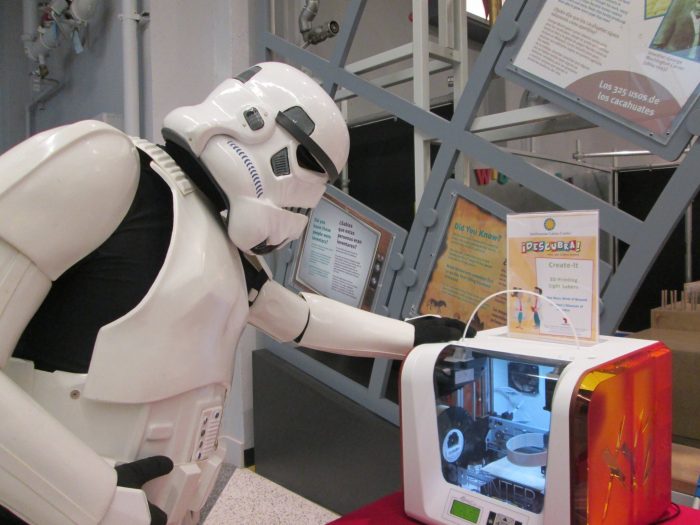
point(554, 255)
point(470, 265)
point(637, 61)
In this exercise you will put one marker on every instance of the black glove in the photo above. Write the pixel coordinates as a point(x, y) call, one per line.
point(434, 329)
point(135, 474)
point(7, 518)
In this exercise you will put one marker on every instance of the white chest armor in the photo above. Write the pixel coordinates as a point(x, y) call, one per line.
point(159, 375)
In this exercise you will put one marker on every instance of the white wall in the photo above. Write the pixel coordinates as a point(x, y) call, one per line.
point(189, 48)
point(14, 80)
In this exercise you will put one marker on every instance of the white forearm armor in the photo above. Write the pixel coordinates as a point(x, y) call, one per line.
point(47, 475)
point(37, 457)
point(327, 325)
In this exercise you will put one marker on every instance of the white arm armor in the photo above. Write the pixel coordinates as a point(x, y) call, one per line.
point(47, 475)
point(62, 193)
point(328, 325)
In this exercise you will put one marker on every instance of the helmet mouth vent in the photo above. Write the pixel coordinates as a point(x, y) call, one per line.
point(280, 163)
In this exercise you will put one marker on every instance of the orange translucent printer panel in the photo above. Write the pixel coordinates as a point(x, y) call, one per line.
point(621, 440)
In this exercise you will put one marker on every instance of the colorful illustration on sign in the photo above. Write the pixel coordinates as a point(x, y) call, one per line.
point(655, 8)
point(470, 266)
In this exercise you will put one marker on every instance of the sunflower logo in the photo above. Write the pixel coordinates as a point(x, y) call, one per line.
point(549, 224)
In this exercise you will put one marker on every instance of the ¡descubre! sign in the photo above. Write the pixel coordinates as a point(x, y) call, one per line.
point(554, 255)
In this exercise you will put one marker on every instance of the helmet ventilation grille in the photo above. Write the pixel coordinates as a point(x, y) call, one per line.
point(280, 162)
point(302, 211)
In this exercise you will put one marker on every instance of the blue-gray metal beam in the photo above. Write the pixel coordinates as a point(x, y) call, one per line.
point(261, 26)
point(379, 379)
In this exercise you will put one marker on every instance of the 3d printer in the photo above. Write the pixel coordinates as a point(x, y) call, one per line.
point(503, 431)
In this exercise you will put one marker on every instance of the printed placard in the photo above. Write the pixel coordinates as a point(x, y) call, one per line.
point(554, 255)
point(471, 265)
point(343, 254)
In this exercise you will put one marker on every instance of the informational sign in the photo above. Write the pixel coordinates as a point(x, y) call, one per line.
point(554, 255)
point(471, 265)
point(342, 254)
point(634, 60)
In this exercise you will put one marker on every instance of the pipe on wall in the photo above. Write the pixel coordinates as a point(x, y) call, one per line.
point(53, 87)
point(307, 15)
point(30, 19)
point(130, 61)
point(83, 10)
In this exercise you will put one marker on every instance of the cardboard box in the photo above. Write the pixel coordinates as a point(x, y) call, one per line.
point(685, 467)
point(685, 348)
point(682, 320)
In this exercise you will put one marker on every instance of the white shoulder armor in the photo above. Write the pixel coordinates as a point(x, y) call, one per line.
point(64, 191)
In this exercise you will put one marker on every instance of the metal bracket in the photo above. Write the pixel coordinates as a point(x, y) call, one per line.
point(141, 18)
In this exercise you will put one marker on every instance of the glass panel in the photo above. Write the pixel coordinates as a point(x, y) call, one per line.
point(493, 424)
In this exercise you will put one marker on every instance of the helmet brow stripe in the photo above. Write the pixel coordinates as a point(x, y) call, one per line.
point(246, 75)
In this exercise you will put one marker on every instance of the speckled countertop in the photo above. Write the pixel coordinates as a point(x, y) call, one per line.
point(250, 499)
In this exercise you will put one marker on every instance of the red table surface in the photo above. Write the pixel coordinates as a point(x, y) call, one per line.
point(389, 511)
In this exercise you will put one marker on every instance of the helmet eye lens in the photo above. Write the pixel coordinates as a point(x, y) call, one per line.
point(309, 154)
point(307, 161)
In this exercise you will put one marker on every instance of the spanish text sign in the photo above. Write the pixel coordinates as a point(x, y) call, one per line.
point(635, 60)
point(554, 255)
point(338, 255)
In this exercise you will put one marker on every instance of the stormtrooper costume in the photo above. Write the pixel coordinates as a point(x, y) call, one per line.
point(127, 273)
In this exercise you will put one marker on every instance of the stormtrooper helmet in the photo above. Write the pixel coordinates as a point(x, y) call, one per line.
point(270, 139)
